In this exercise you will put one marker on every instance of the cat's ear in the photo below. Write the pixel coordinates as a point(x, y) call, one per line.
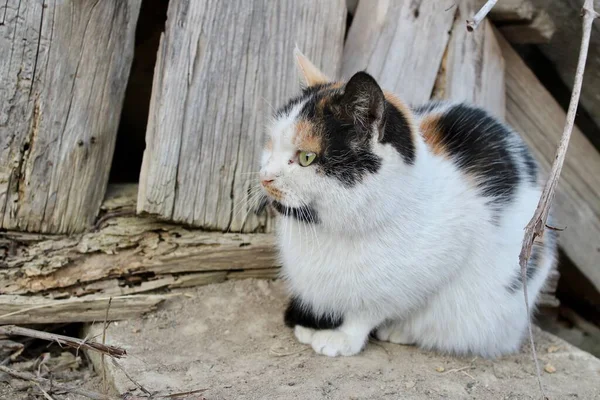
point(312, 75)
point(364, 102)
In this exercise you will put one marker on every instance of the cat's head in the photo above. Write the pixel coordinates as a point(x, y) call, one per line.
point(328, 141)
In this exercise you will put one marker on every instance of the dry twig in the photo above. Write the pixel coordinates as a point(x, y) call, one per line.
point(480, 16)
point(105, 326)
point(75, 343)
point(535, 227)
point(45, 382)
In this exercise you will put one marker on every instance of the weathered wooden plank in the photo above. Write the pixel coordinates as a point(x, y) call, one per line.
point(222, 66)
point(539, 30)
point(142, 253)
point(400, 43)
point(534, 113)
point(38, 310)
point(63, 67)
point(563, 49)
point(474, 68)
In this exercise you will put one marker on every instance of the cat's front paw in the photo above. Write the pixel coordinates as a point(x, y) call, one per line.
point(303, 334)
point(335, 343)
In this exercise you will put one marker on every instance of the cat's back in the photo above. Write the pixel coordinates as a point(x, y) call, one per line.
point(484, 149)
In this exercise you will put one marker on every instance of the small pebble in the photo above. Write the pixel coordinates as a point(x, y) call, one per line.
point(409, 384)
point(440, 369)
point(553, 349)
point(549, 368)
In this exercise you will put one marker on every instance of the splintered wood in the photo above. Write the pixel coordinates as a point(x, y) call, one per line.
point(222, 66)
point(64, 67)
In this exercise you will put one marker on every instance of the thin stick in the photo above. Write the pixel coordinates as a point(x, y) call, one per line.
point(113, 351)
point(46, 394)
point(535, 227)
point(104, 327)
point(63, 388)
point(136, 383)
point(480, 16)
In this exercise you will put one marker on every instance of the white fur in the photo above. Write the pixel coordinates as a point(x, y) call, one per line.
point(410, 249)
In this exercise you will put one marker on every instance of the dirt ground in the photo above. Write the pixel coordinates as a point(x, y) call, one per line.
point(229, 339)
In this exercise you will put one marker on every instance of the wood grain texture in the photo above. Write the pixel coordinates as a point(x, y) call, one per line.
point(39, 310)
point(222, 66)
point(533, 112)
point(63, 67)
point(400, 43)
point(474, 69)
point(129, 255)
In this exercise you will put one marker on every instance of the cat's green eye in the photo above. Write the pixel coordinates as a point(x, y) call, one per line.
point(305, 158)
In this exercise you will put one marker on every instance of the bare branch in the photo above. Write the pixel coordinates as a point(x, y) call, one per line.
point(480, 16)
point(535, 227)
point(12, 330)
point(45, 382)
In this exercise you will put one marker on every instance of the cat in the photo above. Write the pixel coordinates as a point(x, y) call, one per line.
point(400, 222)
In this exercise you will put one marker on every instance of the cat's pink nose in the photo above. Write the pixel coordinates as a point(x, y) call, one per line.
point(266, 182)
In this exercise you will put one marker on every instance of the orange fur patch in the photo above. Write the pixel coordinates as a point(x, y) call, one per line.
point(430, 130)
point(307, 137)
point(269, 145)
point(274, 193)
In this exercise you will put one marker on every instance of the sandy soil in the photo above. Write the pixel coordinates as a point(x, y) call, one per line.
point(230, 339)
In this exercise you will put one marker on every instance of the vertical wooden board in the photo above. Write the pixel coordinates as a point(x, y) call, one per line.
point(400, 43)
point(474, 66)
point(532, 111)
point(222, 67)
point(63, 67)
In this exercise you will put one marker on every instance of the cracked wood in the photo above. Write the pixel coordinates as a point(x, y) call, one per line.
point(221, 67)
point(63, 67)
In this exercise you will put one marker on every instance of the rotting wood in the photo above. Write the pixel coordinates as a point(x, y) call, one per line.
point(539, 30)
point(39, 310)
point(221, 67)
point(532, 111)
point(400, 43)
point(131, 255)
point(63, 67)
point(474, 69)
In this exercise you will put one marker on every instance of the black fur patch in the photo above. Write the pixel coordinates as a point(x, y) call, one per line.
point(530, 164)
point(295, 314)
point(303, 214)
point(397, 133)
point(479, 145)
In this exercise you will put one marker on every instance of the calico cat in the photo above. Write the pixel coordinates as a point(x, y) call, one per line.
point(402, 222)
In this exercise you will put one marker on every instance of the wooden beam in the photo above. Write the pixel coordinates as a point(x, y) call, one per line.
point(400, 43)
point(222, 66)
point(130, 255)
point(39, 310)
point(533, 112)
point(63, 67)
